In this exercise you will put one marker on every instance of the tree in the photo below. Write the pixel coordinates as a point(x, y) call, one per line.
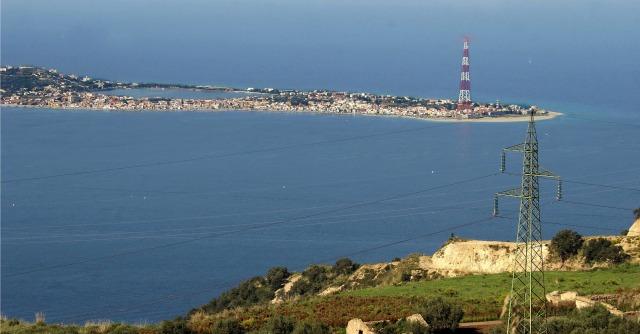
point(276, 277)
point(566, 244)
point(441, 315)
point(603, 250)
point(345, 266)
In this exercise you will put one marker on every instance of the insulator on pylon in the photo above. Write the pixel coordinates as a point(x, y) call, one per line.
point(495, 206)
point(559, 193)
point(503, 163)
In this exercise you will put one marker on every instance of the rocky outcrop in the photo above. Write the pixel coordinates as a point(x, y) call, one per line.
point(417, 318)
point(472, 257)
point(557, 297)
point(284, 292)
point(357, 326)
point(634, 230)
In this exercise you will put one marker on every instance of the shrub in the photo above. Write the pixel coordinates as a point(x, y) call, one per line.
point(280, 325)
point(122, 329)
point(276, 277)
point(200, 322)
point(345, 266)
point(592, 320)
point(227, 326)
point(313, 280)
point(175, 326)
point(250, 292)
point(311, 328)
point(441, 315)
point(401, 327)
point(566, 244)
point(603, 250)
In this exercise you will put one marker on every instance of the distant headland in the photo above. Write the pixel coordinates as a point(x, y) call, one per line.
point(47, 88)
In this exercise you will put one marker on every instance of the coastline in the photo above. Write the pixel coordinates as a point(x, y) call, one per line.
point(500, 119)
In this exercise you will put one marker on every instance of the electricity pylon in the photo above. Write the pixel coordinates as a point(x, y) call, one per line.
point(527, 301)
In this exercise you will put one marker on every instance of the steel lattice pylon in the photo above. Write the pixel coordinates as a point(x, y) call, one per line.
point(527, 300)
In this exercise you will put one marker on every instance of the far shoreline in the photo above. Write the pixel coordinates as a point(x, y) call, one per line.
point(500, 119)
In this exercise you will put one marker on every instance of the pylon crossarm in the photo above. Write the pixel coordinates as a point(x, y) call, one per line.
point(516, 148)
point(542, 172)
point(515, 192)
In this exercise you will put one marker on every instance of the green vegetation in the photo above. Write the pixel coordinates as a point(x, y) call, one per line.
point(481, 296)
point(566, 243)
point(441, 315)
point(253, 291)
point(603, 250)
point(592, 320)
point(400, 327)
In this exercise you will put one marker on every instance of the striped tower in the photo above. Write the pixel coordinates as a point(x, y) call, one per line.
point(464, 98)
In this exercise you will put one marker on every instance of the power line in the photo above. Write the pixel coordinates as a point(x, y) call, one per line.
point(601, 185)
point(216, 156)
point(421, 236)
point(587, 183)
point(596, 205)
point(256, 227)
point(333, 258)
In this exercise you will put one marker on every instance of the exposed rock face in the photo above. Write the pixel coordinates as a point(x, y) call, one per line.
point(473, 257)
point(282, 293)
point(357, 326)
point(634, 230)
point(331, 290)
point(417, 318)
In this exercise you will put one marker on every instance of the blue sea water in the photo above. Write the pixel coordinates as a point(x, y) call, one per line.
point(196, 174)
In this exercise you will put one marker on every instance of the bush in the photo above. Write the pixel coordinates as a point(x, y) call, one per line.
point(401, 327)
point(280, 325)
point(227, 326)
point(344, 266)
point(250, 292)
point(175, 326)
point(313, 281)
point(441, 315)
point(276, 277)
point(311, 328)
point(566, 244)
point(592, 320)
point(603, 250)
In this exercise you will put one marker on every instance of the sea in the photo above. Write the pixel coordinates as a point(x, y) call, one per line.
point(142, 216)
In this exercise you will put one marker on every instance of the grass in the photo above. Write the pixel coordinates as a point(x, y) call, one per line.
point(595, 281)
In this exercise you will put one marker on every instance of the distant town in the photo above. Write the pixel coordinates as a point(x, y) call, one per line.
point(48, 88)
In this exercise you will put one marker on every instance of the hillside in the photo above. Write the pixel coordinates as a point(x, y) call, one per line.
point(471, 274)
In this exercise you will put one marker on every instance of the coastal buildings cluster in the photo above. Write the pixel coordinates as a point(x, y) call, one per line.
point(50, 89)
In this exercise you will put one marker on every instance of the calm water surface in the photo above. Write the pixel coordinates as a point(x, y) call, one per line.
point(238, 178)
point(204, 173)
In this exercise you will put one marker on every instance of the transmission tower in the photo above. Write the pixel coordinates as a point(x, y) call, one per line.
point(527, 300)
point(464, 97)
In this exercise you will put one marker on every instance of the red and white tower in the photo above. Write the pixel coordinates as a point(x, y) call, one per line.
point(464, 98)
